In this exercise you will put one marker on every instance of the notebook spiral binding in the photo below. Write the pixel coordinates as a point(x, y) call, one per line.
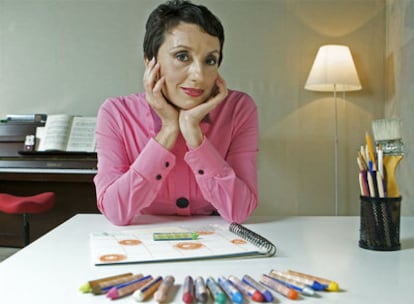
point(254, 238)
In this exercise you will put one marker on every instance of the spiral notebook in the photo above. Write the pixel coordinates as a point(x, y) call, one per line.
point(213, 241)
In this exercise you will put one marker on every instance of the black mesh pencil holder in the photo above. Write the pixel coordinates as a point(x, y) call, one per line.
point(380, 223)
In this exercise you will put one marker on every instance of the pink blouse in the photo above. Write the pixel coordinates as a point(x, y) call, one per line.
point(136, 175)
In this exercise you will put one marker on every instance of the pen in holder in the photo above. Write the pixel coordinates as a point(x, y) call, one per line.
point(380, 223)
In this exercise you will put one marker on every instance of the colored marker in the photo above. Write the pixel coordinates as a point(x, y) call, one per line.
point(279, 287)
point(331, 285)
point(127, 288)
point(88, 287)
point(315, 285)
point(268, 297)
point(201, 293)
point(188, 290)
point(147, 290)
point(232, 292)
point(302, 288)
point(161, 294)
point(130, 282)
point(216, 291)
point(253, 293)
point(106, 286)
point(174, 236)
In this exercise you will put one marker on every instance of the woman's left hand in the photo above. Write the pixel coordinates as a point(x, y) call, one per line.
point(189, 120)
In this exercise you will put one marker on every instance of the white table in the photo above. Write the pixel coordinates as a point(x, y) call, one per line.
point(51, 269)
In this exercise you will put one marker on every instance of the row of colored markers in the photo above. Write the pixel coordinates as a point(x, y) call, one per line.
point(291, 284)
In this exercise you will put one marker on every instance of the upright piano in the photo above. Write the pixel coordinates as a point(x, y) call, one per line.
point(68, 174)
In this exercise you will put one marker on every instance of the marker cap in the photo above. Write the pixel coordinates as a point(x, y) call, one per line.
point(237, 297)
point(307, 291)
point(112, 293)
point(268, 296)
point(333, 286)
point(221, 298)
point(318, 286)
point(257, 296)
point(188, 298)
point(85, 288)
point(292, 294)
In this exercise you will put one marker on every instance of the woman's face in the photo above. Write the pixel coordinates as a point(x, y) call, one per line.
point(189, 61)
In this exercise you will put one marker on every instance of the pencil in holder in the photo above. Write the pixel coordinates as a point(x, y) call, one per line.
point(380, 223)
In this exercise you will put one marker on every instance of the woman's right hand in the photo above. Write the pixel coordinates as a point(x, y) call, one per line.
point(153, 85)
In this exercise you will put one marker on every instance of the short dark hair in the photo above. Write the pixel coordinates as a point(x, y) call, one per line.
point(169, 14)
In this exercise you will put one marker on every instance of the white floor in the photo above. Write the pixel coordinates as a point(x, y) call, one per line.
point(5, 252)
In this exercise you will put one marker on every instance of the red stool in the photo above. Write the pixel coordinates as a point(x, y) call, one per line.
point(26, 205)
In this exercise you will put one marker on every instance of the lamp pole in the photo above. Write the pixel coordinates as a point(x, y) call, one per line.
point(336, 154)
point(334, 70)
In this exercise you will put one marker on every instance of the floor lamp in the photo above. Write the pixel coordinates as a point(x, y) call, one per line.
point(333, 71)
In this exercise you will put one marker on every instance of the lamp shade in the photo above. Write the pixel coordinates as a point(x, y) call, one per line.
point(333, 70)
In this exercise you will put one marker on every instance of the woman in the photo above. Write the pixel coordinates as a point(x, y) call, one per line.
point(187, 145)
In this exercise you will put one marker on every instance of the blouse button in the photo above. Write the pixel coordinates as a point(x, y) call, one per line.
point(167, 164)
point(158, 177)
point(201, 172)
point(182, 202)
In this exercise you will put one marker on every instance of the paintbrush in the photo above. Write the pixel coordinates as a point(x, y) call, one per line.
point(387, 133)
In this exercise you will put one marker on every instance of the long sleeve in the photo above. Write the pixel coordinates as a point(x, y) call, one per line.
point(125, 186)
point(230, 183)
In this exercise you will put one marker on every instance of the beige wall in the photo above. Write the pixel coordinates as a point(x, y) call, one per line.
point(69, 55)
point(400, 89)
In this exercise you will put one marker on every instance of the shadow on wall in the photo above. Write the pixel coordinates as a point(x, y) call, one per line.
point(325, 20)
